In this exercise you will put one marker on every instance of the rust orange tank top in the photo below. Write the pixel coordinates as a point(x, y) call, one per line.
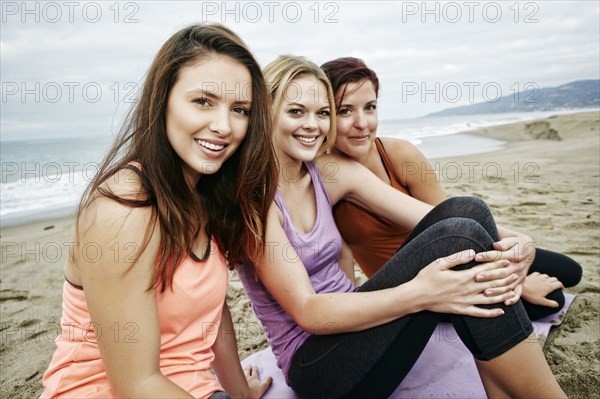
point(373, 239)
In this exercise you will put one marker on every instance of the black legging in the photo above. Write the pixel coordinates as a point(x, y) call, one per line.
point(372, 363)
point(555, 265)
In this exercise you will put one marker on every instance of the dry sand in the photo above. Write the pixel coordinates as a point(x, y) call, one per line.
point(544, 183)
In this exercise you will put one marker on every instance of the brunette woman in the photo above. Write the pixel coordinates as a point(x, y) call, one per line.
point(183, 192)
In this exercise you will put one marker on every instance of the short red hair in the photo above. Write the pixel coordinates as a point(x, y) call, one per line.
point(344, 70)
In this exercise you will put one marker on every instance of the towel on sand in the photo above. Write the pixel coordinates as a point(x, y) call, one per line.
point(445, 369)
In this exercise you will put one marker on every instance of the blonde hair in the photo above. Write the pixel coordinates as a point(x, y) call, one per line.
point(282, 71)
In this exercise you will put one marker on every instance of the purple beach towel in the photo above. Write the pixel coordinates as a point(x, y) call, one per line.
point(445, 369)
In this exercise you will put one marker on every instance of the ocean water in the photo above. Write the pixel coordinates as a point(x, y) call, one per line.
point(43, 179)
point(445, 136)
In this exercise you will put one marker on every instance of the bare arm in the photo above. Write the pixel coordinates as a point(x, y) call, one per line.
point(285, 277)
point(417, 174)
point(237, 382)
point(355, 183)
point(347, 261)
point(414, 171)
point(117, 295)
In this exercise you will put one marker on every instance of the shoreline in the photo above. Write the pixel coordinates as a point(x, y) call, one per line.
point(457, 138)
point(434, 147)
point(537, 184)
point(458, 145)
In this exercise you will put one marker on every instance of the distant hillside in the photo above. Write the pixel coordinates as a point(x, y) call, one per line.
point(579, 94)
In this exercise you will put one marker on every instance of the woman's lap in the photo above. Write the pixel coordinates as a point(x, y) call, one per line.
point(340, 361)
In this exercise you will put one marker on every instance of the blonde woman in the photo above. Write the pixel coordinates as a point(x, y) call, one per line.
point(332, 339)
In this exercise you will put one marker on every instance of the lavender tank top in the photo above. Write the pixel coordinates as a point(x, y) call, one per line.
point(319, 250)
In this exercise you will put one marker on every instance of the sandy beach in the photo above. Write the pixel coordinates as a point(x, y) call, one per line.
point(545, 182)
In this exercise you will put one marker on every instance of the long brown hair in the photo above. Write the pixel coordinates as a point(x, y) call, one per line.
point(232, 203)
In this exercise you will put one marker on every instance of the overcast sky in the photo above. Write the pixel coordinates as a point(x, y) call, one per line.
point(72, 68)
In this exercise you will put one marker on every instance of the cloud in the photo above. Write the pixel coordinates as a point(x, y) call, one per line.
point(426, 43)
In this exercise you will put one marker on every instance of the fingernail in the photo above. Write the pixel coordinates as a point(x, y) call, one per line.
point(512, 294)
point(500, 312)
point(487, 292)
point(479, 277)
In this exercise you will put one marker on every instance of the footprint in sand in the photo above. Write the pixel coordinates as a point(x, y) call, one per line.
point(32, 376)
point(13, 295)
point(591, 288)
point(28, 323)
point(532, 203)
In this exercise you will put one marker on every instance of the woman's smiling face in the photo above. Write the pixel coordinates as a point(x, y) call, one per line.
point(207, 113)
point(302, 121)
point(356, 118)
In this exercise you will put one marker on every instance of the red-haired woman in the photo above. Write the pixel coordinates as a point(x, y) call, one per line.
point(373, 240)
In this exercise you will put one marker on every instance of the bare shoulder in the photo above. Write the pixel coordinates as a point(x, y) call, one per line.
point(414, 170)
point(126, 184)
point(274, 215)
point(402, 150)
point(105, 221)
point(340, 175)
point(337, 171)
point(327, 162)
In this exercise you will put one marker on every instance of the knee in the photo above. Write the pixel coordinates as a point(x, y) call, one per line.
point(558, 265)
point(464, 228)
point(577, 278)
point(468, 207)
point(559, 297)
point(570, 272)
point(467, 200)
point(536, 312)
point(573, 273)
